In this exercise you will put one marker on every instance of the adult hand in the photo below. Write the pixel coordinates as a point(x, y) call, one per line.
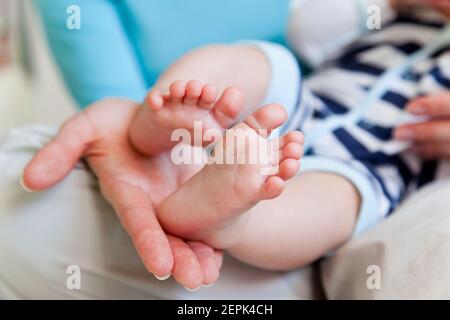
point(432, 138)
point(132, 183)
point(442, 6)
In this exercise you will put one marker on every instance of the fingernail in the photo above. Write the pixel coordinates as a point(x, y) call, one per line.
point(191, 290)
point(405, 134)
point(24, 187)
point(162, 278)
point(417, 109)
point(207, 285)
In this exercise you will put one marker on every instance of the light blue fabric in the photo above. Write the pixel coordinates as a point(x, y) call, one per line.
point(285, 80)
point(123, 45)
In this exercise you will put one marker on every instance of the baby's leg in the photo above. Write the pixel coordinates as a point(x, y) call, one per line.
point(176, 101)
point(220, 206)
point(239, 66)
point(239, 176)
point(315, 214)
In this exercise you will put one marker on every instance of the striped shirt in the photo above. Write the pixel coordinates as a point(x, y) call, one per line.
point(340, 87)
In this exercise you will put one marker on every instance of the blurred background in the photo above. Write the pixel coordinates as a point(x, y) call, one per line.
point(118, 52)
point(31, 88)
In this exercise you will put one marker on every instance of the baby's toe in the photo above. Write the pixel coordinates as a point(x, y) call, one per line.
point(155, 100)
point(267, 118)
point(288, 168)
point(193, 92)
point(228, 107)
point(292, 136)
point(177, 91)
point(208, 97)
point(292, 150)
point(272, 188)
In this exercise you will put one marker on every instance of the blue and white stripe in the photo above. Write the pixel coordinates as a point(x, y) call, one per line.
point(350, 107)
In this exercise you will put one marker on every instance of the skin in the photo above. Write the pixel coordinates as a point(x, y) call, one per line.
point(443, 6)
point(222, 204)
point(176, 100)
point(180, 108)
point(197, 210)
point(247, 69)
point(132, 183)
point(176, 96)
point(136, 184)
point(431, 139)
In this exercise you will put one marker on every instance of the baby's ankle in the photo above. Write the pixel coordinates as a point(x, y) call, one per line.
point(229, 234)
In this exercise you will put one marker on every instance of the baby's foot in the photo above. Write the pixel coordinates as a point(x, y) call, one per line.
point(216, 197)
point(180, 108)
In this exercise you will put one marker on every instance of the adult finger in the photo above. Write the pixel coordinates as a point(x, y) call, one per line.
point(431, 131)
point(443, 5)
point(53, 162)
point(432, 151)
point(187, 269)
point(218, 254)
point(207, 258)
point(436, 105)
point(137, 216)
